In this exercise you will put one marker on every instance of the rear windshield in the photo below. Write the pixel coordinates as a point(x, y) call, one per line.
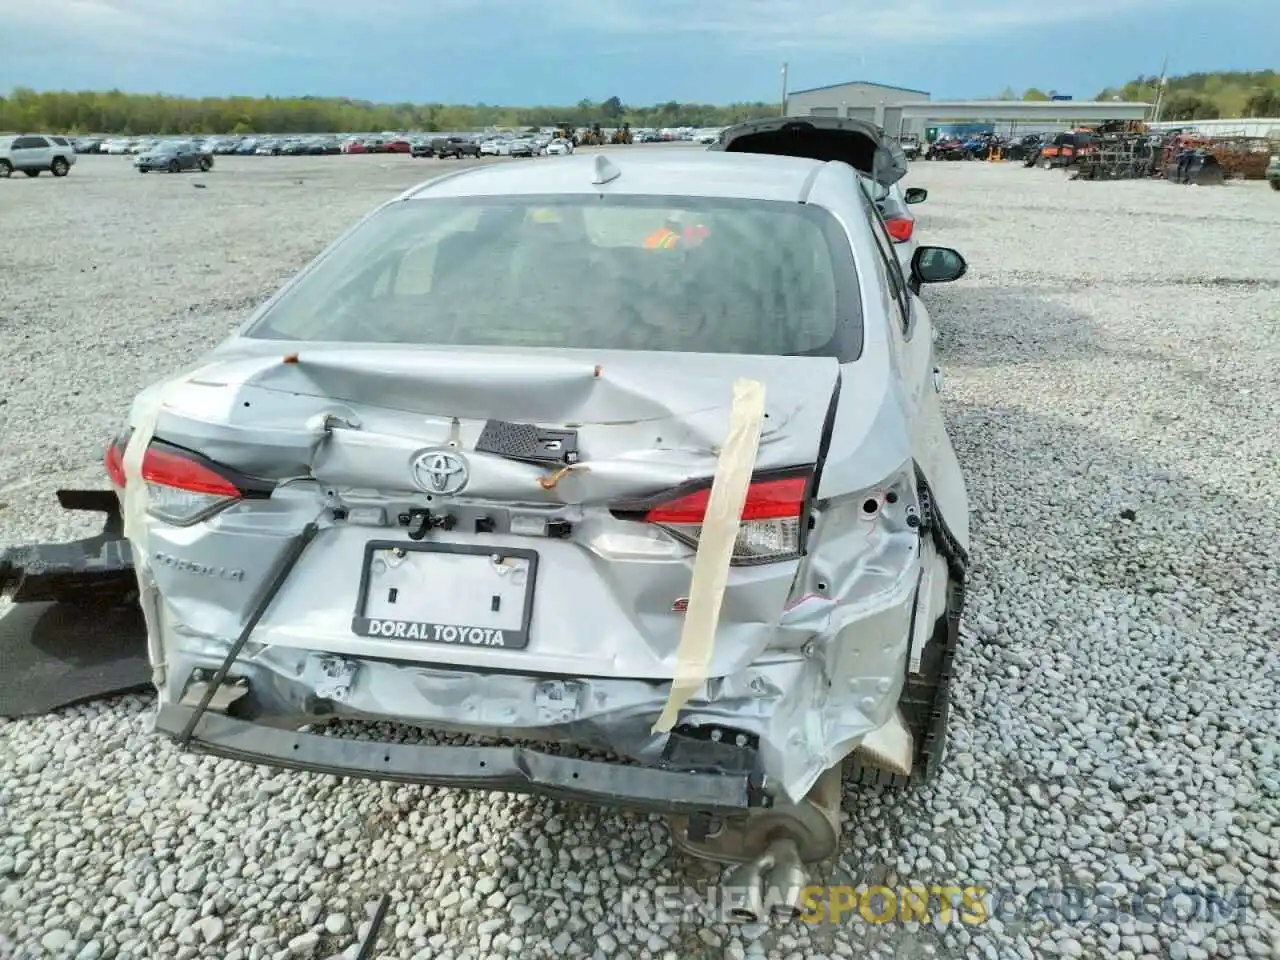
point(631, 273)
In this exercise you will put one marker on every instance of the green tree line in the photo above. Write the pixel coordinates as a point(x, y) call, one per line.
point(1207, 96)
point(114, 112)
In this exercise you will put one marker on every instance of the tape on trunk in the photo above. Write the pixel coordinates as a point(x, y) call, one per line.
point(715, 548)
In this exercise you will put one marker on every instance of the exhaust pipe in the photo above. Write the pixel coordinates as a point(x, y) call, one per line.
point(774, 880)
point(785, 881)
point(745, 898)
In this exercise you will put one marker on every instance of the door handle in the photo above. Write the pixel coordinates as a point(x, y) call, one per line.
point(937, 379)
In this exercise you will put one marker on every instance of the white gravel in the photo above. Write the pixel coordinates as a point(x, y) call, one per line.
point(1110, 370)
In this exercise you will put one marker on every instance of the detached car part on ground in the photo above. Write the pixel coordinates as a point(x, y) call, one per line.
point(715, 528)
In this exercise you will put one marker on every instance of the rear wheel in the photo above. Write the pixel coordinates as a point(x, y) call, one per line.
point(60, 167)
point(6, 169)
point(205, 164)
point(1275, 184)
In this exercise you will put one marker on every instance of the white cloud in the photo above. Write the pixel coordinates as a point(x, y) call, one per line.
point(836, 24)
point(145, 27)
point(172, 29)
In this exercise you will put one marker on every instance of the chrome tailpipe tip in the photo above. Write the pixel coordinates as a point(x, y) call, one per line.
point(744, 898)
point(784, 881)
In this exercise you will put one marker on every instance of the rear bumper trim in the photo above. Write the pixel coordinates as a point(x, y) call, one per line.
point(506, 769)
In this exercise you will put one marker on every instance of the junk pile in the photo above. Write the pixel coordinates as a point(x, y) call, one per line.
point(1120, 150)
point(1134, 153)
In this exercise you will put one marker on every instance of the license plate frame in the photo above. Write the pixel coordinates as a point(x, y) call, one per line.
point(445, 633)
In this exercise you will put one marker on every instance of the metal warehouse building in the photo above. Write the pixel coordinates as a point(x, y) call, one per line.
point(861, 99)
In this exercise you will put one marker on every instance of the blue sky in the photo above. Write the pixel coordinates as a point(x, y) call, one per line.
point(643, 51)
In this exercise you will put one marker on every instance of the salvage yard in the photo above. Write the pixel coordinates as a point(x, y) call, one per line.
point(1110, 379)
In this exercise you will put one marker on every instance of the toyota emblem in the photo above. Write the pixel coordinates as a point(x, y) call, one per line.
point(439, 471)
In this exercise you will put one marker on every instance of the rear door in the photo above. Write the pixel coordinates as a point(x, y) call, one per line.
point(922, 376)
point(31, 153)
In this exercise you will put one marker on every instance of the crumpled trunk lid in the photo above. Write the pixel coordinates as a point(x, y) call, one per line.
point(606, 596)
point(863, 145)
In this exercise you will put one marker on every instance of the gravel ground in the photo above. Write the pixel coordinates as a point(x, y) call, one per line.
point(1111, 384)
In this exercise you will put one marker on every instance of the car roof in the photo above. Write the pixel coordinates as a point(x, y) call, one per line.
point(678, 171)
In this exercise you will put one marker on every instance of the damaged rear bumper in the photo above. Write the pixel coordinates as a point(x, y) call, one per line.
point(508, 769)
point(94, 568)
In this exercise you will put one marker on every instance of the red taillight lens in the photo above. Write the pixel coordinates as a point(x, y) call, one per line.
point(115, 463)
point(171, 468)
point(182, 487)
point(772, 519)
point(900, 228)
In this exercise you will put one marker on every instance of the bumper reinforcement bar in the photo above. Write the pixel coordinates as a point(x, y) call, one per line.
point(506, 769)
point(94, 568)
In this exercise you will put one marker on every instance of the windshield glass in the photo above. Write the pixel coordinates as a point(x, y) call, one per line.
point(639, 273)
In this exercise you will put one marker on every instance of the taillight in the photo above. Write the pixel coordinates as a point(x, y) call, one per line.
point(115, 462)
point(900, 228)
point(772, 519)
point(183, 487)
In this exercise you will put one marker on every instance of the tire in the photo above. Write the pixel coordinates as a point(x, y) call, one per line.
point(32, 173)
point(6, 169)
point(205, 164)
point(1275, 184)
point(175, 166)
point(60, 167)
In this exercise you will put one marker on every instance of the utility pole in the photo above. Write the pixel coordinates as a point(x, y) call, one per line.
point(784, 88)
point(1164, 69)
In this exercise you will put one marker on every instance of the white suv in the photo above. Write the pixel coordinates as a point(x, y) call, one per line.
point(34, 153)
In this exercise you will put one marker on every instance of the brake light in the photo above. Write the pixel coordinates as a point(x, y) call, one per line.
point(900, 228)
point(115, 463)
point(182, 487)
point(772, 519)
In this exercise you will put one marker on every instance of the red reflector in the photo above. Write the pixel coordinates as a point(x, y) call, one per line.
point(766, 500)
point(171, 469)
point(115, 463)
point(900, 228)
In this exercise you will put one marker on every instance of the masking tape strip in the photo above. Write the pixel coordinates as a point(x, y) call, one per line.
point(134, 505)
point(890, 746)
point(715, 548)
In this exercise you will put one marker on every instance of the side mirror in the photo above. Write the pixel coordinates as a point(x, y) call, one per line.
point(916, 195)
point(937, 265)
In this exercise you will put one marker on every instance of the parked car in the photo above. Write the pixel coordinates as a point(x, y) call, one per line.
point(456, 147)
point(880, 160)
point(910, 146)
point(521, 559)
point(174, 156)
point(490, 148)
point(559, 147)
point(520, 147)
point(34, 153)
point(893, 203)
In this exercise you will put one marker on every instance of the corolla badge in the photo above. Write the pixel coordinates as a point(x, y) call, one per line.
point(439, 471)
